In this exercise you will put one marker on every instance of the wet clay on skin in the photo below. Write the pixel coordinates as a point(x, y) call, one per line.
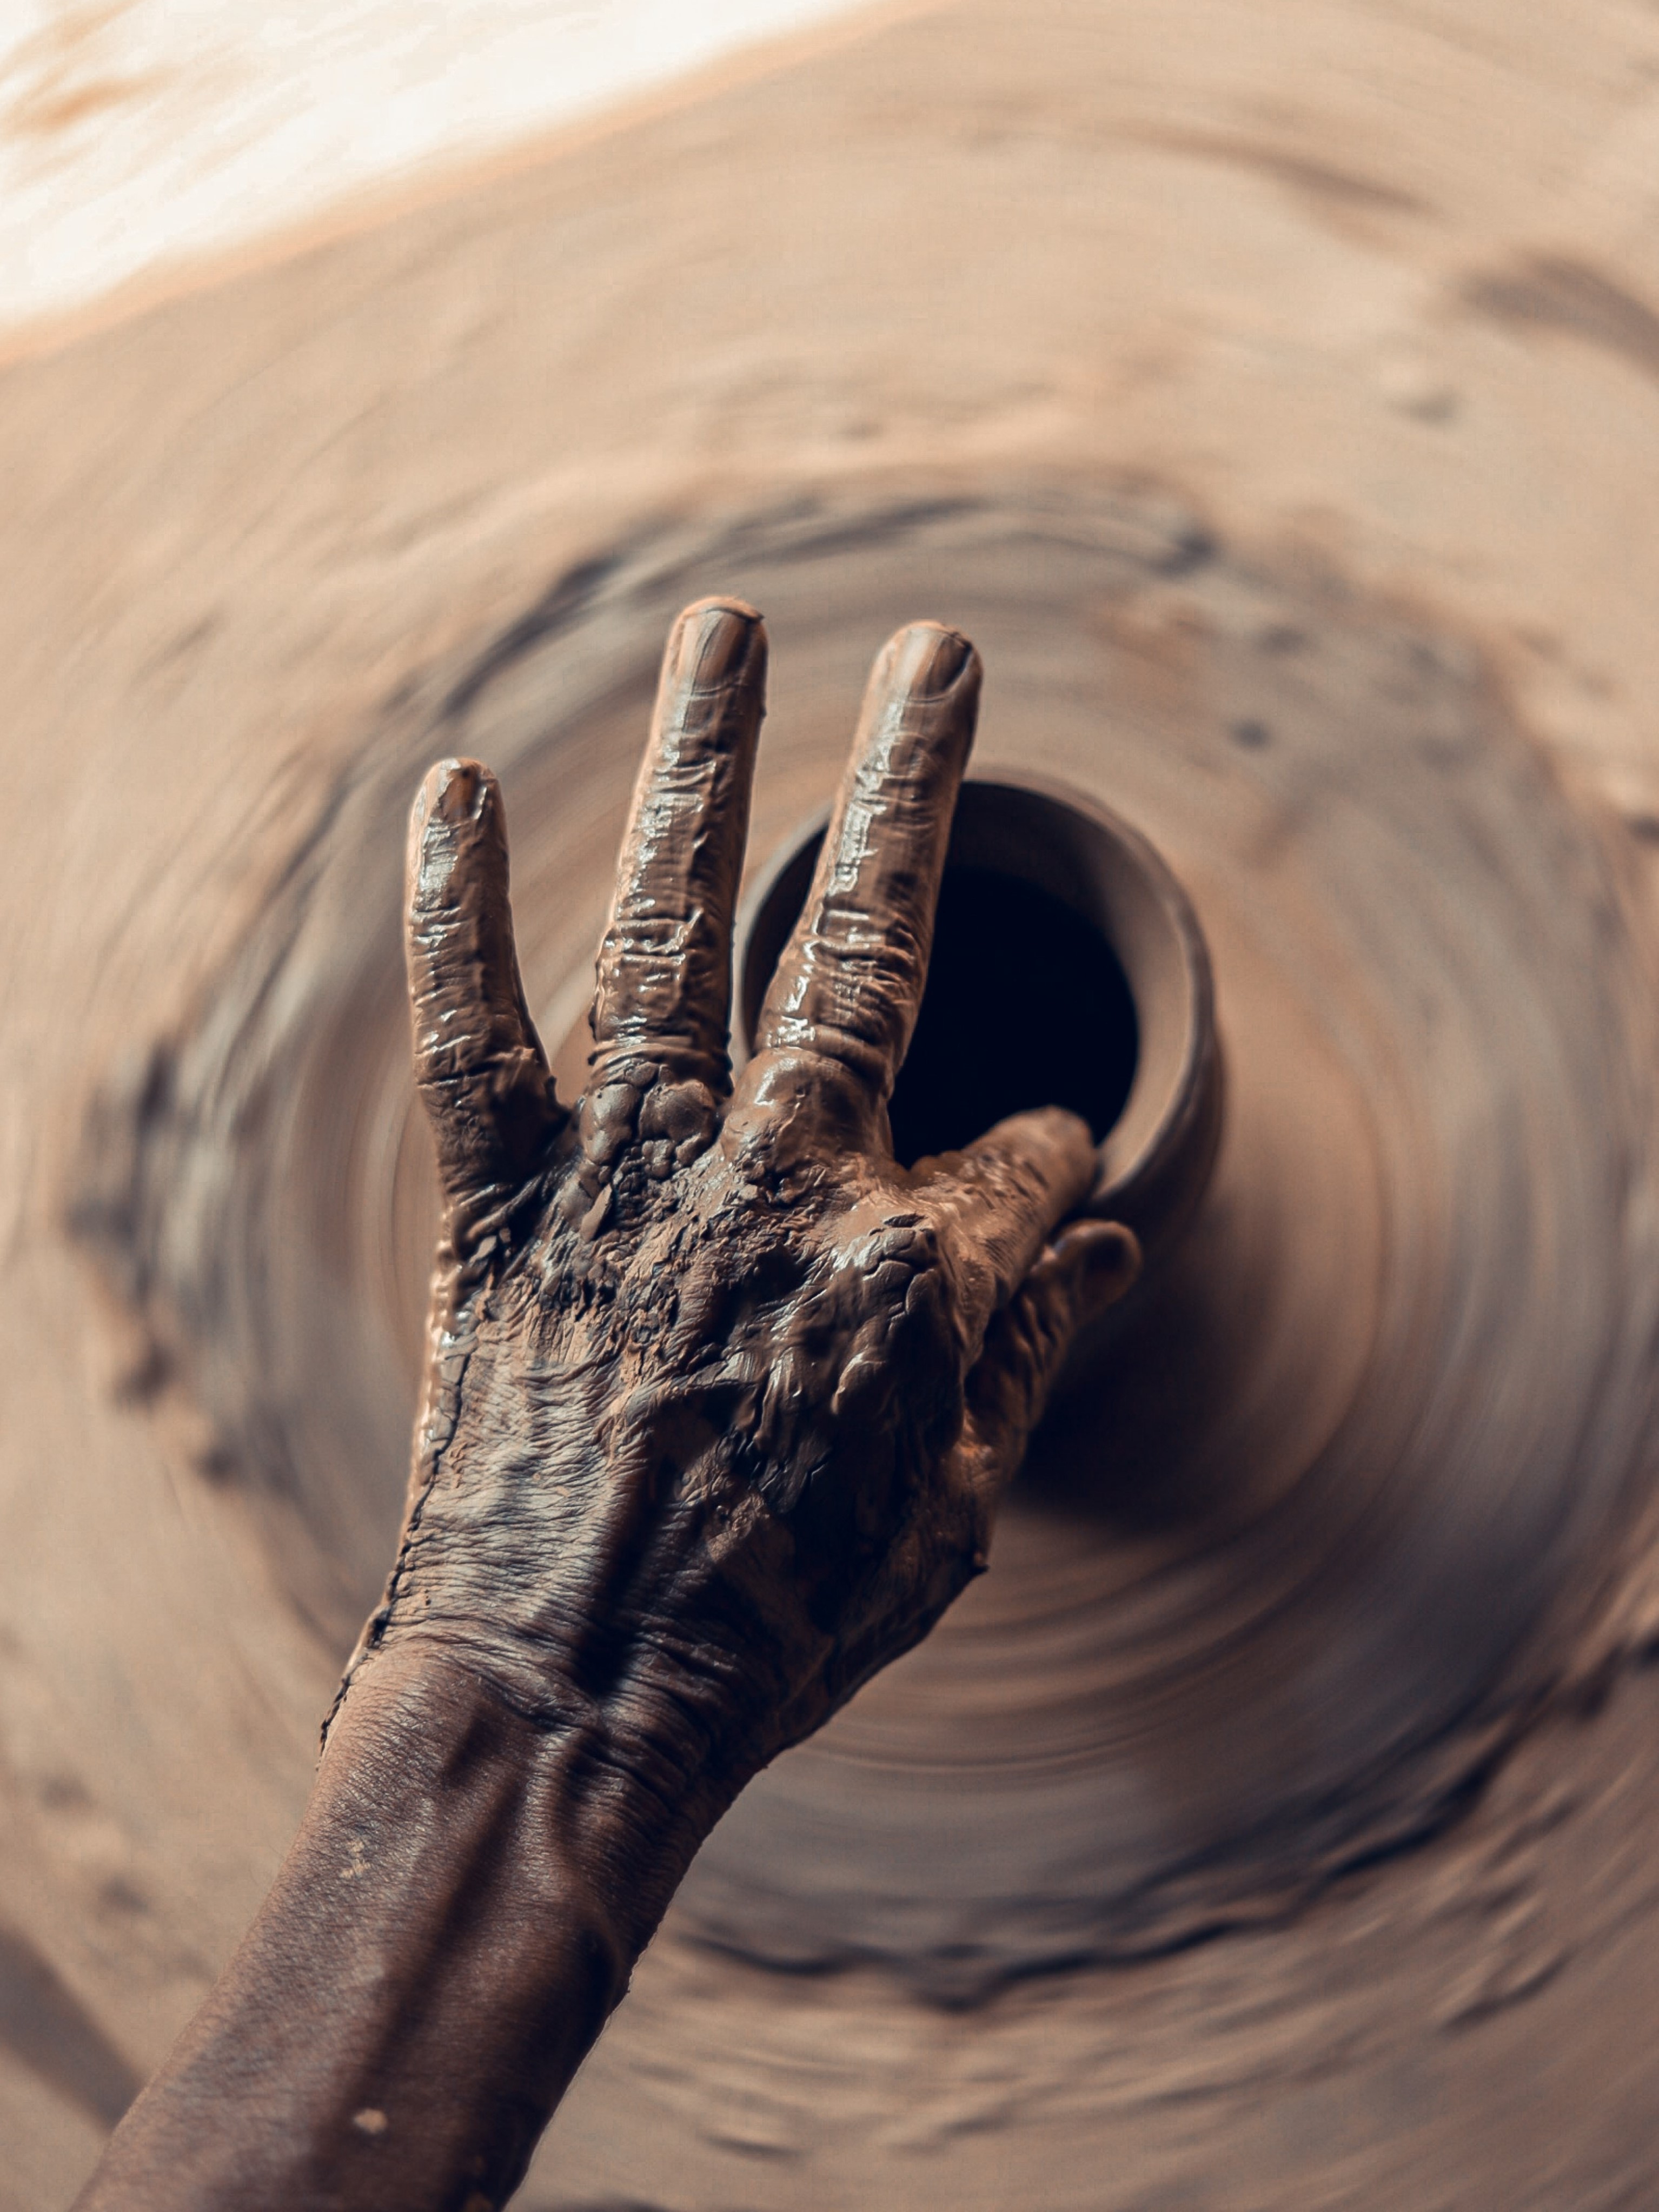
point(719, 1402)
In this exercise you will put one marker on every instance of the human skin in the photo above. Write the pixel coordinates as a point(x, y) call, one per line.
point(718, 1403)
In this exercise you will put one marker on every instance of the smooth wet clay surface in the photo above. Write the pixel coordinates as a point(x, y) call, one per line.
point(1304, 533)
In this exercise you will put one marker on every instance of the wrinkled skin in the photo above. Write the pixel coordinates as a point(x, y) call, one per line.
point(720, 1401)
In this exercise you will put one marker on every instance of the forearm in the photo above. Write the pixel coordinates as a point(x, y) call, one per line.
point(457, 1916)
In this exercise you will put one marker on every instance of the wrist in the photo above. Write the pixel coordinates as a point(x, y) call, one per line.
point(615, 1796)
point(438, 1953)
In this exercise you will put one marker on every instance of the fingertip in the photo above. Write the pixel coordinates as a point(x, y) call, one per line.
point(452, 792)
point(1057, 1142)
point(456, 829)
point(721, 602)
point(716, 642)
point(1105, 1259)
point(1067, 1131)
point(930, 661)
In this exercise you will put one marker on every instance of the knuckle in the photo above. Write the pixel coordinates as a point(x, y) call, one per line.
point(677, 1125)
point(609, 1117)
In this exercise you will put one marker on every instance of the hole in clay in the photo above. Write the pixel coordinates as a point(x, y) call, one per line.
point(1014, 966)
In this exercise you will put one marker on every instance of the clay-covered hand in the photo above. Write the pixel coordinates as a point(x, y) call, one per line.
point(719, 1397)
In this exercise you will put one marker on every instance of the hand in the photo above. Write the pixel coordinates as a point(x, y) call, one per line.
point(720, 1401)
point(720, 1398)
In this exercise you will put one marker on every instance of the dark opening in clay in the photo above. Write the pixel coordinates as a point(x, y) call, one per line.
point(999, 1029)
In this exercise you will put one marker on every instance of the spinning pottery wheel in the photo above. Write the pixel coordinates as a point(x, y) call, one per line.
point(1338, 1499)
point(1272, 1826)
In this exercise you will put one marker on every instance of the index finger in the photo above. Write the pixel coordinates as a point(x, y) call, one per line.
point(850, 980)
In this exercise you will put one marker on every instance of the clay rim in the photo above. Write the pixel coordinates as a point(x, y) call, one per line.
point(1155, 1158)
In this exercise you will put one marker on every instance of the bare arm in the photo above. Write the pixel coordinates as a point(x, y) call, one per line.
point(720, 1401)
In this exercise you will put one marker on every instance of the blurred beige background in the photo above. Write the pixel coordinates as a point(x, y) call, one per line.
point(139, 136)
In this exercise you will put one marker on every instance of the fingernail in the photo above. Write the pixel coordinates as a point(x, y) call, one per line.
point(930, 659)
point(716, 642)
point(454, 791)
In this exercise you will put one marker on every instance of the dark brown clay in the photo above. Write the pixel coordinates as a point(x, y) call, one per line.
point(719, 1402)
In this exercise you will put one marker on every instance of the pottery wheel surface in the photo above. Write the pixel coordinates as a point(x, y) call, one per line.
point(1342, 1484)
point(1271, 1826)
point(1335, 1504)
